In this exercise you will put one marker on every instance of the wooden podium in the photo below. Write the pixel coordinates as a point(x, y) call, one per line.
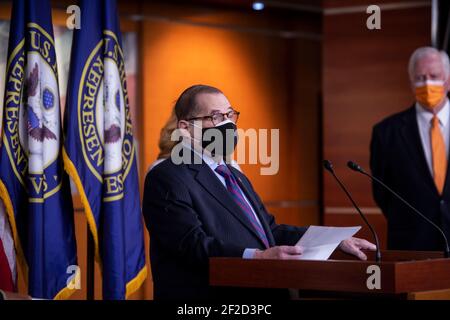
point(404, 275)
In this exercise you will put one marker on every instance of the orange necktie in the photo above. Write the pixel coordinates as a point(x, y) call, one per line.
point(439, 154)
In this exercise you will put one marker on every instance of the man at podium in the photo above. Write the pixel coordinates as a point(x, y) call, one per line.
point(205, 208)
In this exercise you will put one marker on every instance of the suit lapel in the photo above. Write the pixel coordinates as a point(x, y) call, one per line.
point(447, 175)
point(411, 138)
point(254, 203)
point(447, 178)
point(207, 179)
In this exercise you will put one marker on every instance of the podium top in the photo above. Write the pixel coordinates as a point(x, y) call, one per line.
point(391, 255)
point(399, 272)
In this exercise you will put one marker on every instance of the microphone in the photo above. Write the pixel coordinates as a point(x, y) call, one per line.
point(355, 167)
point(329, 167)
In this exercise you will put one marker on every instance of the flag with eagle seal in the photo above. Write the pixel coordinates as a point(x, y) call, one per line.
point(34, 188)
point(99, 151)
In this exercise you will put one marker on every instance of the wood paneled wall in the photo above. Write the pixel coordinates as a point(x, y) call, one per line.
point(272, 80)
point(364, 80)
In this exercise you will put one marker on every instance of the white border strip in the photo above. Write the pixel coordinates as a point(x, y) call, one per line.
point(385, 6)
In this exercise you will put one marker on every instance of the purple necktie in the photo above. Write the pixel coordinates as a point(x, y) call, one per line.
point(233, 188)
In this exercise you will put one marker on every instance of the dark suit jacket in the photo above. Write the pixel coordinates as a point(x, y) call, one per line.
point(191, 217)
point(398, 159)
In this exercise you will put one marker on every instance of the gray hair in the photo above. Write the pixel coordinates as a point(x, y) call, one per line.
point(425, 51)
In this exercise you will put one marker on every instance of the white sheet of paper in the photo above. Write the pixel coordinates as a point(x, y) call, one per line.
point(320, 242)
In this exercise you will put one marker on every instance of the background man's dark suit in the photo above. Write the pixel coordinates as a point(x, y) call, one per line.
point(191, 217)
point(398, 159)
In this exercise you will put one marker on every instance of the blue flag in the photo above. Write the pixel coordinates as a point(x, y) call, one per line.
point(33, 185)
point(100, 151)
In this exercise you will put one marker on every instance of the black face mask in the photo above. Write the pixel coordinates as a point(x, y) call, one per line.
point(220, 140)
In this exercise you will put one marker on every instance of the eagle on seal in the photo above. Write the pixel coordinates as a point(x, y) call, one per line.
point(36, 129)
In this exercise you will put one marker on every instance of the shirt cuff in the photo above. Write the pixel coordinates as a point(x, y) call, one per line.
point(249, 253)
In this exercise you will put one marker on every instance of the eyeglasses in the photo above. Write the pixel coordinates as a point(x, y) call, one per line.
point(219, 117)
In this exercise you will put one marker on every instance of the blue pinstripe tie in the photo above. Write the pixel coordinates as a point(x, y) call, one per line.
point(233, 188)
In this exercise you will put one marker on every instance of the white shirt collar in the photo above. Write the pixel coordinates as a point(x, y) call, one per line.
point(213, 164)
point(210, 161)
point(426, 115)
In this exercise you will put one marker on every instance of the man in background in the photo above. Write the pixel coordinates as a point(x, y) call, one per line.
point(409, 152)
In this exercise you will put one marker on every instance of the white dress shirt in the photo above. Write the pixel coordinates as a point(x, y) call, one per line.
point(249, 252)
point(424, 118)
point(213, 165)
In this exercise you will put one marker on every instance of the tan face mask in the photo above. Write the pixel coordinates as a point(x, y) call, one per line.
point(430, 93)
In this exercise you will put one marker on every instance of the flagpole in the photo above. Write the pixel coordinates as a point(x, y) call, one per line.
point(90, 275)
